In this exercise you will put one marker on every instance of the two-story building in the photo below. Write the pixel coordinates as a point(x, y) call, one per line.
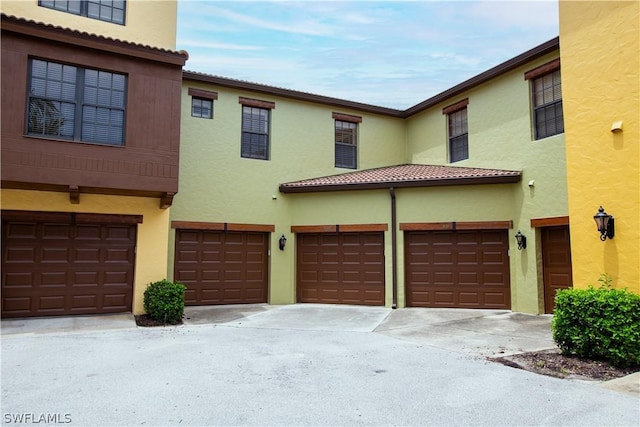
point(292, 197)
point(90, 151)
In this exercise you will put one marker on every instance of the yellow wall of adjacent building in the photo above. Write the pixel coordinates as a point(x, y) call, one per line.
point(600, 51)
point(152, 233)
point(148, 22)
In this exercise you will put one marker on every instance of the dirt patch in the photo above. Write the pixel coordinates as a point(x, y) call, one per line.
point(146, 321)
point(553, 363)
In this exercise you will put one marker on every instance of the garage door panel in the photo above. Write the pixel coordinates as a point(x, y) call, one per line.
point(47, 305)
point(233, 267)
point(443, 297)
point(120, 278)
point(54, 232)
point(350, 271)
point(457, 268)
point(468, 278)
point(327, 276)
point(53, 279)
point(490, 257)
point(494, 279)
point(66, 268)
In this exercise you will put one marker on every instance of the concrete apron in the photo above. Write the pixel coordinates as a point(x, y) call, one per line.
point(476, 333)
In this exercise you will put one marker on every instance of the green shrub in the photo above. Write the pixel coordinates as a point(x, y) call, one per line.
point(599, 324)
point(164, 301)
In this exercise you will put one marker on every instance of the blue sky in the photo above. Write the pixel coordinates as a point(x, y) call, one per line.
point(388, 53)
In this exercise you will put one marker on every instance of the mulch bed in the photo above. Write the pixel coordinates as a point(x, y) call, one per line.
point(553, 363)
point(146, 321)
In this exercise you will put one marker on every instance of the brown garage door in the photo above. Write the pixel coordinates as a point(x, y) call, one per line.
point(222, 267)
point(457, 268)
point(55, 268)
point(341, 268)
point(556, 263)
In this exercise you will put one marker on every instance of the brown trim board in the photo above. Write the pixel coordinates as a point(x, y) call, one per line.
point(339, 228)
point(222, 226)
point(549, 222)
point(70, 217)
point(460, 225)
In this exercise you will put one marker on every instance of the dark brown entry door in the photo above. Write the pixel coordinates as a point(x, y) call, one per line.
point(457, 268)
point(59, 269)
point(222, 267)
point(340, 268)
point(556, 263)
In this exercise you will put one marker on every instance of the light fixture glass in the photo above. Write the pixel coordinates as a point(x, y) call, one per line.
point(605, 224)
point(522, 240)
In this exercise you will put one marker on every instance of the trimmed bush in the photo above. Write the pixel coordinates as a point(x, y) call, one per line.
point(164, 301)
point(598, 324)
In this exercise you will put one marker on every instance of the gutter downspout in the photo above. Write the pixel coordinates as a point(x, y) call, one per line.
point(394, 250)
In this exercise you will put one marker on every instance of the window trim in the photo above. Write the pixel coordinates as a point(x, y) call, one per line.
point(542, 69)
point(84, 10)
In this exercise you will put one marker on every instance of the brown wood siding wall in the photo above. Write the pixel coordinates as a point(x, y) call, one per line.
point(148, 163)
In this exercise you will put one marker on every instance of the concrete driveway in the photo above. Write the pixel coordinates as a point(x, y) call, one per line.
point(293, 365)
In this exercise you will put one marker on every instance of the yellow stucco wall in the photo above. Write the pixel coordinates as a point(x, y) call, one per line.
point(151, 245)
point(600, 51)
point(148, 22)
point(218, 185)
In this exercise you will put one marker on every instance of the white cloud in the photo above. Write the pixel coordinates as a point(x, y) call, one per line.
point(387, 53)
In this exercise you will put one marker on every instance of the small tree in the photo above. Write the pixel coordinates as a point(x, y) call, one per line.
point(164, 301)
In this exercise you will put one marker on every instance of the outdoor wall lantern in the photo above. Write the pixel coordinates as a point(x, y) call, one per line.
point(522, 240)
point(282, 242)
point(604, 222)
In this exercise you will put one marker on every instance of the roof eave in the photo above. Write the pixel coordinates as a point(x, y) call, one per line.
point(92, 41)
point(291, 94)
point(511, 64)
point(507, 179)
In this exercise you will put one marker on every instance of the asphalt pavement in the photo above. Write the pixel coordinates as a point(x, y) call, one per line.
point(293, 365)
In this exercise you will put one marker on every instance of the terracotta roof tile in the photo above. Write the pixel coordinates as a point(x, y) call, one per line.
point(408, 175)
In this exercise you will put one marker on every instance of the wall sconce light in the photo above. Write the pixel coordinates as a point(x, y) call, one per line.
point(616, 127)
point(282, 242)
point(522, 240)
point(605, 225)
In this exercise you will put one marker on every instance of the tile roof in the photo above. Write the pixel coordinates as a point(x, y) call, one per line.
point(9, 19)
point(408, 175)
